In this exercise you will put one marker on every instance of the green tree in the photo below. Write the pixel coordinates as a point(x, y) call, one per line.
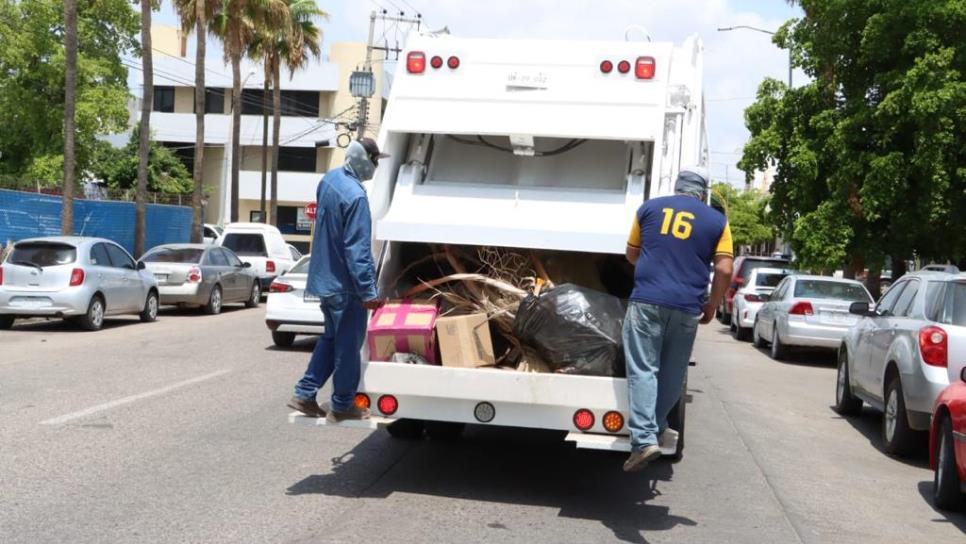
point(746, 214)
point(118, 167)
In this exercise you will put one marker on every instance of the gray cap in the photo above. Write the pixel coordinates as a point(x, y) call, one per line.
point(692, 180)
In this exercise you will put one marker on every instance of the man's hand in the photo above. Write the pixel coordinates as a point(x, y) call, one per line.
point(708, 315)
point(373, 304)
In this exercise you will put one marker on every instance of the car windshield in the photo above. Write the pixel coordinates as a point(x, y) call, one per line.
point(42, 254)
point(769, 279)
point(252, 245)
point(173, 255)
point(954, 310)
point(830, 289)
point(302, 267)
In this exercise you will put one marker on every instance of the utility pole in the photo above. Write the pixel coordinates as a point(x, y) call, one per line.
point(367, 68)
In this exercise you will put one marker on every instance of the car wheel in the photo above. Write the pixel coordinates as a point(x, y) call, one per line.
point(756, 336)
point(93, 320)
point(778, 350)
point(214, 301)
point(150, 311)
point(283, 339)
point(725, 317)
point(898, 437)
point(741, 333)
point(845, 403)
point(946, 489)
point(6, 322)
point(256, 296)
point(444, 430)
point(406, 429)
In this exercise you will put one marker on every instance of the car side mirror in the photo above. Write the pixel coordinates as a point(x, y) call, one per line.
point(860, 308)
point(141, 265)
point(246, 265)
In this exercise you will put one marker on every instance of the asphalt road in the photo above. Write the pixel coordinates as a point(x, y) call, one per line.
point(176, 432)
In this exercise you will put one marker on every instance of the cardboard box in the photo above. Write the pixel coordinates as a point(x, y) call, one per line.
point(403, 327)
point(464, 341)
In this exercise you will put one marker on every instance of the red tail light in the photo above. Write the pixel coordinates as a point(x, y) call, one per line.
point(606, 66)
point(76, 277)
point(453, 63)
point(194, 275)
point(361, 400)
point(644, 69)
point(279, 287)
point(739, 281)
point(387, 404)
point(1, 275)
point(623, 67)
point(416, 62)
point(436, 62)
point(754, 298)
point(801, 308)
point(583, 419)
point(934, 346)
point(613, 421)
point(270, 267)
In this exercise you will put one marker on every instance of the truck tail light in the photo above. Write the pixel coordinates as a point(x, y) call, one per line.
point(613, 421)
point(436, 62)
point(416, 62)
point(644, 68)
point(194, 275)
point(606, 67)
point(801, 308)
point(934, 346)
point(484, 412)
point(1, 275)
point(361, 400)
point(76, 277)
point(270, 267)
point(280, 287)
point(583, 419)
point(623, 67)
point(387, 404)
point(453, 62)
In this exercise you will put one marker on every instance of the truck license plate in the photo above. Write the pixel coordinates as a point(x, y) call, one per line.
point(527, 80)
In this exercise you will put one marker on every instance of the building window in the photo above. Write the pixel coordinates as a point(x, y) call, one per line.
point(164, 99)
point(294, 103)
point(292, 220)
point(214, 100)
point(296, 159)
point(252, 102)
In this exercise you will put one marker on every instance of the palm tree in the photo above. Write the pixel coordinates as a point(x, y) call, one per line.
point(144, 136)
point(300, 42)
point(235, 23)
point(70, 107)
point(260, 49)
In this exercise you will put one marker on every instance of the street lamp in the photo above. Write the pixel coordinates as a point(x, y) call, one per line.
point(226, 195)
point(763, 31)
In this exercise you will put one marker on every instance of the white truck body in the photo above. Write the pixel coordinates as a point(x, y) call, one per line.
point(442, 186)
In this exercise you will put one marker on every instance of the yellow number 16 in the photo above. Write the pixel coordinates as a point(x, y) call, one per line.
point(681, 228)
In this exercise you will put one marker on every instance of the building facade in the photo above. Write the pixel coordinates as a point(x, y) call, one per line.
point(316, 104)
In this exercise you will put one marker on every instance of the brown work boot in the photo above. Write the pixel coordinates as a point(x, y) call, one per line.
point(354, 412)
point(307, 406)
point(639, 459)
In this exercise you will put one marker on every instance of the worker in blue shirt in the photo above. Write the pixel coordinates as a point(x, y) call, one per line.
point(343, 275)
point(672, 241)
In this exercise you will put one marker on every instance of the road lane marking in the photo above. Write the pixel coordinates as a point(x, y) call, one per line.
point(127, 400)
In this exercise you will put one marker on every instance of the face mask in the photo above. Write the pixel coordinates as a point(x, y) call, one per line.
point(358, 161)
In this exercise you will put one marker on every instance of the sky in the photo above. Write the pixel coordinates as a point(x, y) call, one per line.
point(735, 62)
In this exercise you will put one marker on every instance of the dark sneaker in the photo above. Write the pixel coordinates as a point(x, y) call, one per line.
point(307, 407)
point(639, 459)
point(354, 412)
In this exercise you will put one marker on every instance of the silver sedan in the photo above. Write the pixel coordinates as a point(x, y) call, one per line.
point(202, 275)
point(807, 311)
point(82, 279)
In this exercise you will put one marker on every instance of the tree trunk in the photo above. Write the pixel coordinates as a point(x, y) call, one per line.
point(199, 164)
point(276, 125)
point(144, 131)
point(235, 130)
point(268, 77)
point(70, 94)
point(898, 267)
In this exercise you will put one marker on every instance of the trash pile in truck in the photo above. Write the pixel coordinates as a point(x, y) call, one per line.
point(487, 307)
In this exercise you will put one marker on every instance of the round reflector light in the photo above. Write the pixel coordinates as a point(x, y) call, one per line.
point(606, 66)
point(453, 62)
point(436, 62)
point(361, 400)
point(613, 421)
point(388, 404)
point(583, 419)
point(623, 67)
point(484, 412)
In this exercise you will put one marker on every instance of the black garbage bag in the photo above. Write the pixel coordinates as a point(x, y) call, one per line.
point(574, 330)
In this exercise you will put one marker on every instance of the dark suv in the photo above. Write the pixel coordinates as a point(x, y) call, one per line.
point(742, 271)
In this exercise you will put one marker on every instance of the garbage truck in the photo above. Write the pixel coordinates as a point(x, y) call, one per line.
point(530, 144)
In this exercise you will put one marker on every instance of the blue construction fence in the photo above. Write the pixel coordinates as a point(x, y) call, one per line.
point(29, 215)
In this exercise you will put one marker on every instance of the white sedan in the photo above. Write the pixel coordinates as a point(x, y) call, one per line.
point(290, 310)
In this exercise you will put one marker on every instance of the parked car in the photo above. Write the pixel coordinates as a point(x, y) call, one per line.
point(947, 446)
point(807, 311)
point(202, 275)
point(80, 279)
point(902, 354)
point(291, 311)
point(211, 233)
point(260, 245)
point(742, 270)
point(751, 296)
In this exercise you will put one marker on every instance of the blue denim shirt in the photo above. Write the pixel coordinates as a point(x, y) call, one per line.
point(341, 248)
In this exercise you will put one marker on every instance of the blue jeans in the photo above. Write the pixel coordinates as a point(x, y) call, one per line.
point(657, 348)
point(337, 352)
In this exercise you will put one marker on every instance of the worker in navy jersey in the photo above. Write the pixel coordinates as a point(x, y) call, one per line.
point(672, 241)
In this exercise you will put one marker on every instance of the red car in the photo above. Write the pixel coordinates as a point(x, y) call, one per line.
point(947, 446)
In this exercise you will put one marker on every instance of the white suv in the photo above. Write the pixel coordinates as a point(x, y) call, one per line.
point(262, 246)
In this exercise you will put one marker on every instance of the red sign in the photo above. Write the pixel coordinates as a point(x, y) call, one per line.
point(310, 210)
